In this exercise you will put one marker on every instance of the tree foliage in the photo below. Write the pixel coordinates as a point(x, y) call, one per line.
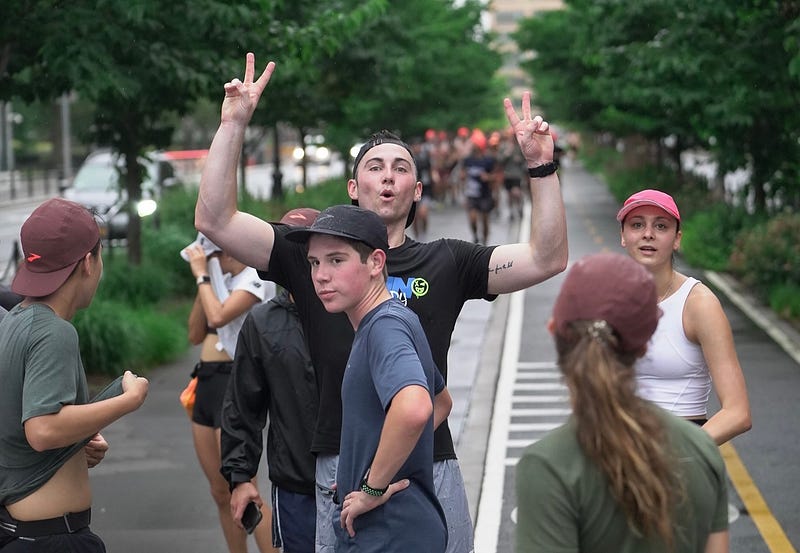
point(423, 64)
point(723, 75)
point(143, 63)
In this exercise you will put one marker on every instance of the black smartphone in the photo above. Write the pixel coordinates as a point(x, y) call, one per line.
point(251, 517)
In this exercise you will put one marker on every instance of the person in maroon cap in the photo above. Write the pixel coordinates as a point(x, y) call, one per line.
point(621, 474)
point(50, 436)
point(693, 346)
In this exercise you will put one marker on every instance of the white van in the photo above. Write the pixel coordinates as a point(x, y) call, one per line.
point(96, 185)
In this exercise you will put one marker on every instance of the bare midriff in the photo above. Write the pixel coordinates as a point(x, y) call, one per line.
point(209, 351)
point(67, 491)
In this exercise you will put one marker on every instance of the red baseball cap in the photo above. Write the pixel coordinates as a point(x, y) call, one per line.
point(56, 236)
point(649, 197)
point(613, 288)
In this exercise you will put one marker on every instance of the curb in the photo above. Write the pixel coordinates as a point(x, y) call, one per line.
point(781, 332)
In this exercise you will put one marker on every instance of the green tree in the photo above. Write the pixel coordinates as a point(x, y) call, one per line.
point(297, 94)
point(721, 74)
point(422, 64)
point(143, 63)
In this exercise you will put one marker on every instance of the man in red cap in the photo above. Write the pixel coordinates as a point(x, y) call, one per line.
point(51, 433)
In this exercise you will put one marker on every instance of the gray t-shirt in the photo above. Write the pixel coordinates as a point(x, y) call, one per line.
point(41, 371)
point(2, 313)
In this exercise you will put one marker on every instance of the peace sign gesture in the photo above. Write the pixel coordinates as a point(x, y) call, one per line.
point(241, 98)
point(533, 134)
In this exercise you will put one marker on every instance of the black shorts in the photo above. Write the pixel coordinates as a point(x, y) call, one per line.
point(81, 541)
point(484, 205)
point(212, 381)
point(508, 184)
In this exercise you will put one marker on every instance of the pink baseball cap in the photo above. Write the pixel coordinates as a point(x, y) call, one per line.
point(649, 197)
point(56, 236)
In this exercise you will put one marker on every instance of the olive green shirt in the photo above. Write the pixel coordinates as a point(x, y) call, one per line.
point(565, 505)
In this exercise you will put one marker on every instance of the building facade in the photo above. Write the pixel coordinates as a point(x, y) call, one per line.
point(503, 18)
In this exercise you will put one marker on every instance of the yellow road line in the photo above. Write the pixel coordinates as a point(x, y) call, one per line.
point(770, 530)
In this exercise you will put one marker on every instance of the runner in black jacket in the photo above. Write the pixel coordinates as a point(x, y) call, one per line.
point(272, 374)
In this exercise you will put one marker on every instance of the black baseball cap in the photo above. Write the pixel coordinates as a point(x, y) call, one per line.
point(386, 137)
point(346, 221)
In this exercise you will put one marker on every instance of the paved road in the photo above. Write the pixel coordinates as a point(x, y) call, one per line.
point(530, 399)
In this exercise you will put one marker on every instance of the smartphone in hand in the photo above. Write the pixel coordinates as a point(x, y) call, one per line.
point(251, 517)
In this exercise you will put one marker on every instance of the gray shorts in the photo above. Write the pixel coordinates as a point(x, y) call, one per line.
point(326, 509)
point(450, 491)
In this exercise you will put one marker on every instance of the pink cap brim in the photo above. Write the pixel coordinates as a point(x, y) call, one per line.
point(639, 203)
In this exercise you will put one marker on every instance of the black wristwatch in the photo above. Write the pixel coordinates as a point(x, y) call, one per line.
point(543, 170)
point(367, 489)
point(203, 279)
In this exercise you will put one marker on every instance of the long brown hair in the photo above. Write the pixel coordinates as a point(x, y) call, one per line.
point(617, 430)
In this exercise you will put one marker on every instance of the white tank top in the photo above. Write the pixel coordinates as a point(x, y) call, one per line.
point(673, 374)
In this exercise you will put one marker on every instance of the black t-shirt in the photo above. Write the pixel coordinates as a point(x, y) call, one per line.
point(434, 279)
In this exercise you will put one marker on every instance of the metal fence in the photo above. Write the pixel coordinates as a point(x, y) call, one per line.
point(28, 184)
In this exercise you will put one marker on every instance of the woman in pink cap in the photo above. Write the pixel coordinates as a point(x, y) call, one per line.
point(693, 344)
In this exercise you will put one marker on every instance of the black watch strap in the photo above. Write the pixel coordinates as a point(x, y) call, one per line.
point(543, 170)
point(367, 489)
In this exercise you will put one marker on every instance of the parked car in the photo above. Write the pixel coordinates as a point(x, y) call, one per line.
point(97, 186)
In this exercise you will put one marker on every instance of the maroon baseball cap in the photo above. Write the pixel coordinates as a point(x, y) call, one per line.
point(300, 216)
point(649, 197)
point(613, 288)
point(56, 236)
point(346, 221)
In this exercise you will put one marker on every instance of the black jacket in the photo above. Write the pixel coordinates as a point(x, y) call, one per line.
point(272, 374)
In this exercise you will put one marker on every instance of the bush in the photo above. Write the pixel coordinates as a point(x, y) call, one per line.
point(709, 236)
point(767, 256)
point(177, 207)
point(165, 336)
point(115, 337)
point(108, 336)
point(784, 299)
point(162, 249)
point(135, 286)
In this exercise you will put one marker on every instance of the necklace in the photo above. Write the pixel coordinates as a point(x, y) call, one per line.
point(669, 287)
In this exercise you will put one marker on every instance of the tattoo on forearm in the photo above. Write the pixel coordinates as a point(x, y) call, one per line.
point(497, 268)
